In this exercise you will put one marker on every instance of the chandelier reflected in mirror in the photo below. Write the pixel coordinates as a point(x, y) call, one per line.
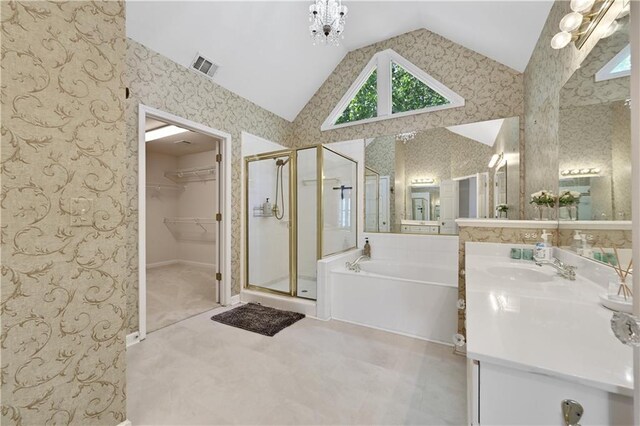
point(327, 19)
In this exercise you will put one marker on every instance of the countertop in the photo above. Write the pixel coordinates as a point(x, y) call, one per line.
point(556, 327)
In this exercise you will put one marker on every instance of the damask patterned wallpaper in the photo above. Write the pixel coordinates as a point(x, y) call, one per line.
point(491, 90)
point(158, 82)
point(621, 161)
point(63, 310)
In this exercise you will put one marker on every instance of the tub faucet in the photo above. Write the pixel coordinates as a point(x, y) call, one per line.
point(564, 270)
point(354, 266)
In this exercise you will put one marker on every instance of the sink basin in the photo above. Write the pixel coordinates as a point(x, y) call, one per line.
point(515, 273)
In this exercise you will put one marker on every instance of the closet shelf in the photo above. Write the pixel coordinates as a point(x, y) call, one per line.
point(164, 187)
point(197, 174)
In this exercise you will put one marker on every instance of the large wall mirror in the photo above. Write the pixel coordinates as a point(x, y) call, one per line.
point(421, 182)
point(595, 134)
point(594, 153)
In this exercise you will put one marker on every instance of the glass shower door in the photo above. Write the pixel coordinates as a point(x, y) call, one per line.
point(307, 222)
point(339, 202)
point(269, 212)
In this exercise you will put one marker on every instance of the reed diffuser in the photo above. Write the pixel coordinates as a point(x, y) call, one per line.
point(624, 291)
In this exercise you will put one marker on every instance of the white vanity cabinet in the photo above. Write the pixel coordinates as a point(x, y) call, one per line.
point(502, 395)
point(419, 227)
point(535, 339)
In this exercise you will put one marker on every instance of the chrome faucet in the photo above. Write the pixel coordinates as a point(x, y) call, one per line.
point(354, 266)
point(564, 270)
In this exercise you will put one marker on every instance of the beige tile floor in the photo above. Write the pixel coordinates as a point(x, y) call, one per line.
point(314, 372)
point(176, 292)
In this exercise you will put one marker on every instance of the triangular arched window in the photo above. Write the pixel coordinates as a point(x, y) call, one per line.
point(390, 86)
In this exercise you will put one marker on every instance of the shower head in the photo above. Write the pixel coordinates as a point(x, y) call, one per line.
point(281, 162)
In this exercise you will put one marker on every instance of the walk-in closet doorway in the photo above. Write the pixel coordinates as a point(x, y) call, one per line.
point(183, 221)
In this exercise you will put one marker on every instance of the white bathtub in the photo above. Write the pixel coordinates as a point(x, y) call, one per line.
point(410, 298)
point(411, 271)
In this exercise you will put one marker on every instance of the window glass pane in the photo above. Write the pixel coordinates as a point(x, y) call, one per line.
point(408, 93)
point(364, 104)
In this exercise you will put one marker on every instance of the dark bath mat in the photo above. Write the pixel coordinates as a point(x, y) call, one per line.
point(259, 319)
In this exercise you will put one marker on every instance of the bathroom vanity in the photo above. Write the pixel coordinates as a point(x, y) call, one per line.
point(535, 339)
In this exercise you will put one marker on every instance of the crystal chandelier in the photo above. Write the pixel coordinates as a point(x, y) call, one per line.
point(327, 21)
point(406, 137)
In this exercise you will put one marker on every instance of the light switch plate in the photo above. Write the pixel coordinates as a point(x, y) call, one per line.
point(81, 211)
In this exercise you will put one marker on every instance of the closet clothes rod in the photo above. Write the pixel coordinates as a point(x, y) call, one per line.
point(159, 186)
point(191, 220)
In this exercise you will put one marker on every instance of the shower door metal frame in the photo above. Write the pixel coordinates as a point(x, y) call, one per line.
point(293, 212)
point(293, 225)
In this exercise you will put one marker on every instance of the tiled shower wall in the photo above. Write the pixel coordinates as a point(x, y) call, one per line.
point(63, 287)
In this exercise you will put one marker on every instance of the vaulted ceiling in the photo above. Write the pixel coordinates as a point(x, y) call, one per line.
point(266, 56)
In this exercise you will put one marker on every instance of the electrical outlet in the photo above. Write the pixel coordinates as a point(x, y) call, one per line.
point(81, 211)
point(530, 235)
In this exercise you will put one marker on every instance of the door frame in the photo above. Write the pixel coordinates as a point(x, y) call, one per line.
point(384, 205)
point(223, 245)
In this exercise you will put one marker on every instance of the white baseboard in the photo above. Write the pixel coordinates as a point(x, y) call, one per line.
point(201, 264)
point(163, 263)
point(234, 300)
point(181, 261)
point(133, 338)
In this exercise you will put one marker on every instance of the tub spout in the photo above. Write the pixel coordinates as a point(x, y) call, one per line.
point(355, 265)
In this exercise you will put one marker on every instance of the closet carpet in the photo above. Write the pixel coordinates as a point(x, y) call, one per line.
point(179, 291)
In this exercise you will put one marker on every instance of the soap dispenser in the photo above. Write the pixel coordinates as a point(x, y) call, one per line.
point(576, 244)
point(543, 249)
point(586, 249)
point(367, 248)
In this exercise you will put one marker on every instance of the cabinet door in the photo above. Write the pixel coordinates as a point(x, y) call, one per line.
point(514, 397)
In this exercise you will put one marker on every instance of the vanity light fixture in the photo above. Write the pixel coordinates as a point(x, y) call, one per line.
point(163, 132)
point(580, 172)
point(496, 159)
point(422, 182)
point(327, 19)
point(585, 15)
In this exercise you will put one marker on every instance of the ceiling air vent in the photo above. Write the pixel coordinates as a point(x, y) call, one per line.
point(204, 66)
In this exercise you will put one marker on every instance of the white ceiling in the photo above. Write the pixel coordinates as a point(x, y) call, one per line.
point(266, 56)
point(484, 132)
point(180, 144)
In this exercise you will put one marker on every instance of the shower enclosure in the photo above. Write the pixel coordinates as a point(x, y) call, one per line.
point(292, 221)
